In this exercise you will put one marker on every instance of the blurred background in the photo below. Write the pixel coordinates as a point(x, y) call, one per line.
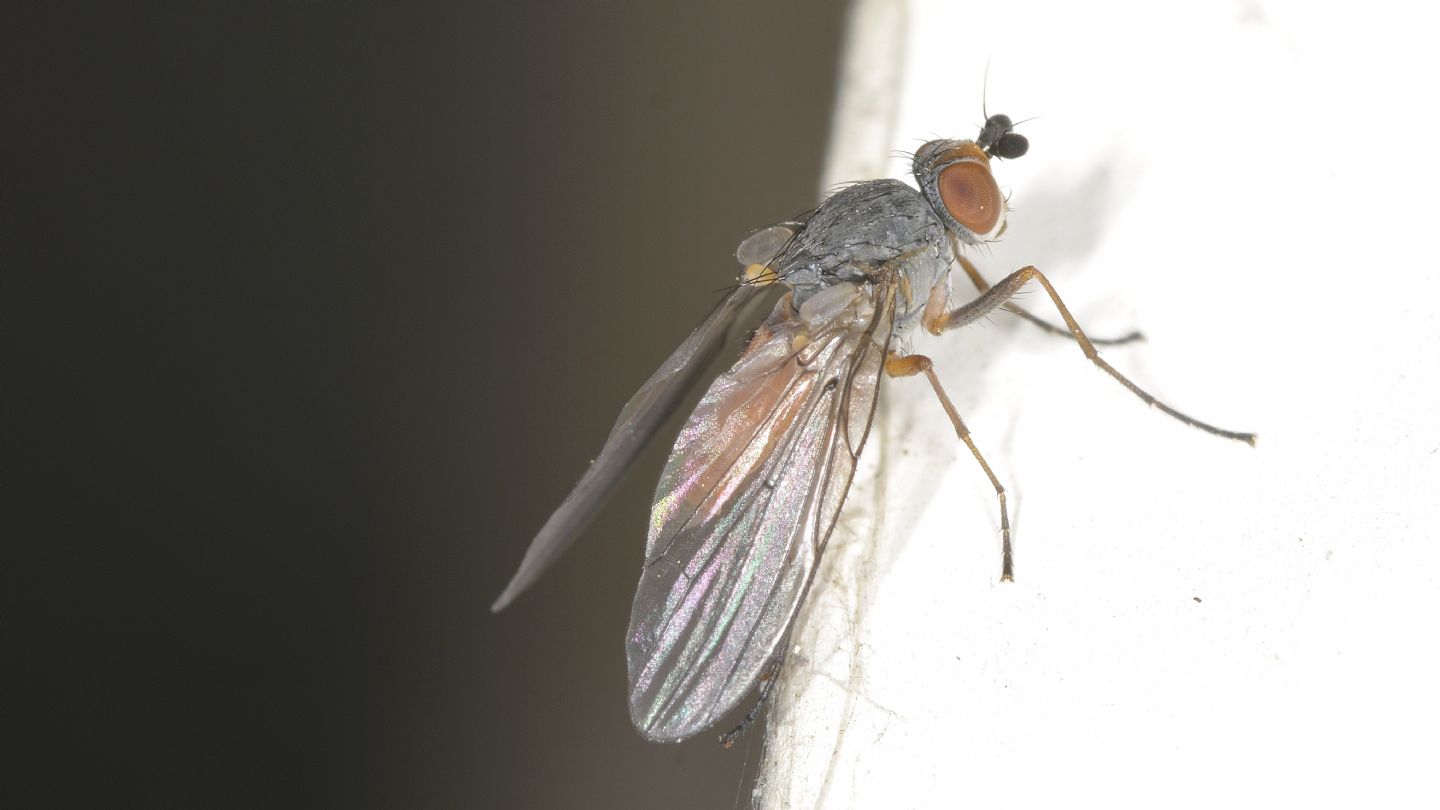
point(315, 311)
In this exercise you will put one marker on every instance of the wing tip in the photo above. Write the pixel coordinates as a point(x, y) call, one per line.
point(516, 587)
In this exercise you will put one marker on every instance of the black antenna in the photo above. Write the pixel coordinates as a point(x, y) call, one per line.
point(998, 136)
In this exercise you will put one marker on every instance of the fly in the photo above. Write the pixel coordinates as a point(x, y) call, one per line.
point(755, 481)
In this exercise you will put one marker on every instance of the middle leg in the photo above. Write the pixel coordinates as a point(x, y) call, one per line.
point(909, 366)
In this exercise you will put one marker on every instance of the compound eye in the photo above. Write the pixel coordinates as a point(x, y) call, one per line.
point(971, 195)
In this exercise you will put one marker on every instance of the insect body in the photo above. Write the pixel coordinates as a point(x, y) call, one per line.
point(758, 474)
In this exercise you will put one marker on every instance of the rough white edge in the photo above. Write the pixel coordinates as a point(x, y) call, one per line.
point(804, 721)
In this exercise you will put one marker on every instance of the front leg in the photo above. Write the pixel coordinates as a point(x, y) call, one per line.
point(982, 285)
point(937, 322)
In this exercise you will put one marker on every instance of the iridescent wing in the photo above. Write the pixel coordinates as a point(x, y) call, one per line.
point(638, 421)
point(745, 506)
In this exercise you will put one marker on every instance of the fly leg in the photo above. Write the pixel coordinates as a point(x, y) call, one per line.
point(767, 683)
point(997, 295)
point(909, 366)
point(982, 285)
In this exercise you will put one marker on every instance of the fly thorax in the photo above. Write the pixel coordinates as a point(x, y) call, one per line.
point(917, 277)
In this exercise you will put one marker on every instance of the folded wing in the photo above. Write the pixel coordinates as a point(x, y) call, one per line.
point(743, 510)
point(638, 421)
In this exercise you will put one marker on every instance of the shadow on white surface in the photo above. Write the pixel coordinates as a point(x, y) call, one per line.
point(1194, 622)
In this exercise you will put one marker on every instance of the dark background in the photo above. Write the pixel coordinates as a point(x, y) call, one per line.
point(313, 313)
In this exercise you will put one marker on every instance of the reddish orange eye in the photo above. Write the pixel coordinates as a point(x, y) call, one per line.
point(971, 196)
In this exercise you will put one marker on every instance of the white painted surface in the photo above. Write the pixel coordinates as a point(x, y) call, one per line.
point(1251, 184)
